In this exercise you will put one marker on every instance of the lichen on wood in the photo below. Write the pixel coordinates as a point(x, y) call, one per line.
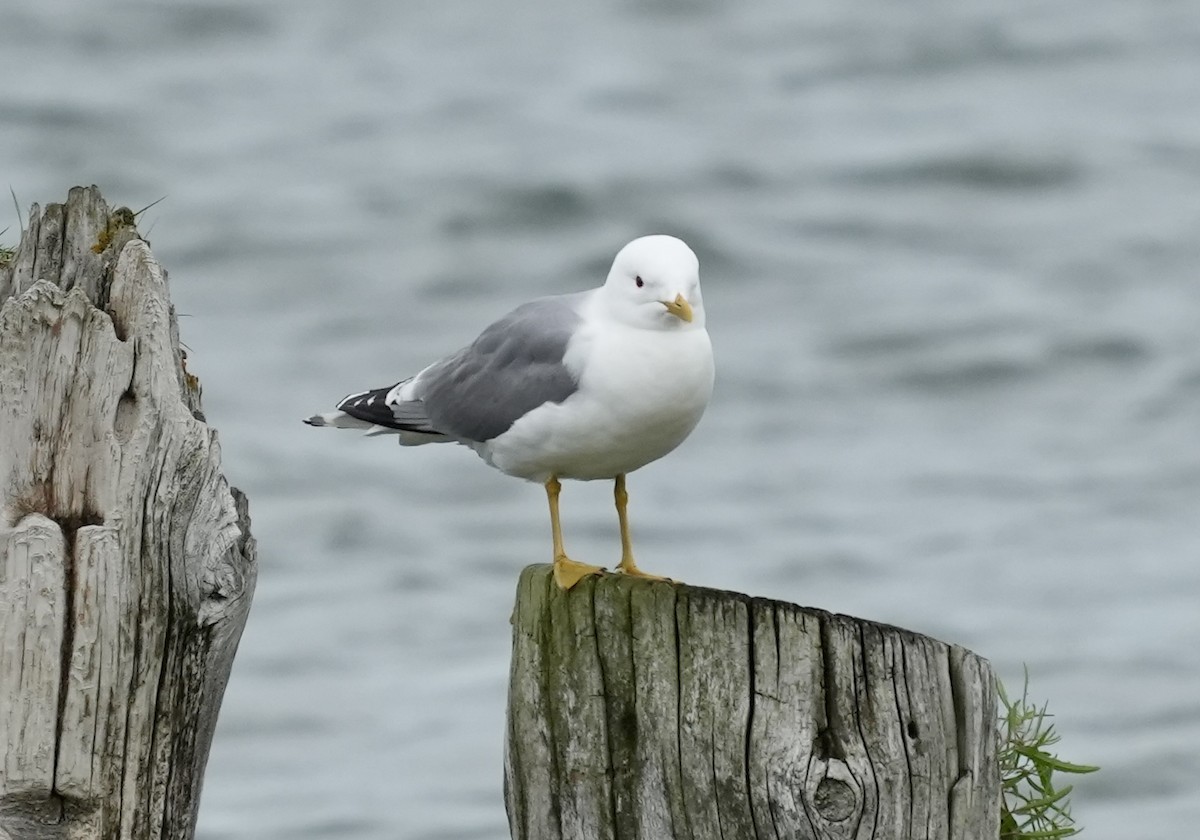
point(126, 561)
point(653, 710)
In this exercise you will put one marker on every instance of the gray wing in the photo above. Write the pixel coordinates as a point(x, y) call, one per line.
point(514, 366)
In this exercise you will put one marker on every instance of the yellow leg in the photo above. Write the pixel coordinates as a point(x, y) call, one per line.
point(627, 565)
point(567, 572)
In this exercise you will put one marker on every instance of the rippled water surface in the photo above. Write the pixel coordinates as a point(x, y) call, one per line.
point(950, 254)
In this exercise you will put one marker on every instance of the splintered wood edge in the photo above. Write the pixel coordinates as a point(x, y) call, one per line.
point(97, 569)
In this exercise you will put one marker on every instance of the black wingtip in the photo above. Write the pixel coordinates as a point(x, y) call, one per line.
point(370, 406)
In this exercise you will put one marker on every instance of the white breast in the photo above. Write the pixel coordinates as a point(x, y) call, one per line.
point(641, 392)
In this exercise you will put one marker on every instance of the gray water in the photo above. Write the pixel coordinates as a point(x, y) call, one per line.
point(950, 253)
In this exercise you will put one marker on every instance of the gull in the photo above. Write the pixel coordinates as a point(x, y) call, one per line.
point(584, 386)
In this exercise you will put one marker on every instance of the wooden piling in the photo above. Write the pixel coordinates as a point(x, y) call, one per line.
point(126, 561)
point(655, 711)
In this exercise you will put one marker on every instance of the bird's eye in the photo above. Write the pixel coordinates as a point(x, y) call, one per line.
point(640, 282)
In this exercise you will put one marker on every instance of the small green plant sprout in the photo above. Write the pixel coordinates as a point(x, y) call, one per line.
point(1033, 807)
point(9, 253)
point(118, 220)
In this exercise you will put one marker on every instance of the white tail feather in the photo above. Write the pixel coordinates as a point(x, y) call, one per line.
point(338, 420)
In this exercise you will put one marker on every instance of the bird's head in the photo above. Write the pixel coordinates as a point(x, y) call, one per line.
point(654, 283)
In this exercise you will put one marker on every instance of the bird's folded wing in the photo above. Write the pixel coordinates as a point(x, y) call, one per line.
point(514, 366)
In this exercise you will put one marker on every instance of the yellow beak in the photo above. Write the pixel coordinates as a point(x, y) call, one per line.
point(679, 307)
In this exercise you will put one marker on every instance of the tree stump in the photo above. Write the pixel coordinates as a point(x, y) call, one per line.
point(126, 561)
point(652, 710)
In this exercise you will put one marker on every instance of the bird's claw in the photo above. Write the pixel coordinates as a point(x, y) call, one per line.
point(568, 572)
point(628, 567)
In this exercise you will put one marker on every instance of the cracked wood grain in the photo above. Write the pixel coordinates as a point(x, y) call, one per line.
point(126, 562)
point(647, 710)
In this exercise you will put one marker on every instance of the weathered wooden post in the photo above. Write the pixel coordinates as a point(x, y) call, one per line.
point(126, 562)
point(654, 711)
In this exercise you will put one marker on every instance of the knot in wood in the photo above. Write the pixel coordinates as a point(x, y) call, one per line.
point(835, 800)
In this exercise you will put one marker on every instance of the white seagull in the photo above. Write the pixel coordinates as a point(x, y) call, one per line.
point(584, 386)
